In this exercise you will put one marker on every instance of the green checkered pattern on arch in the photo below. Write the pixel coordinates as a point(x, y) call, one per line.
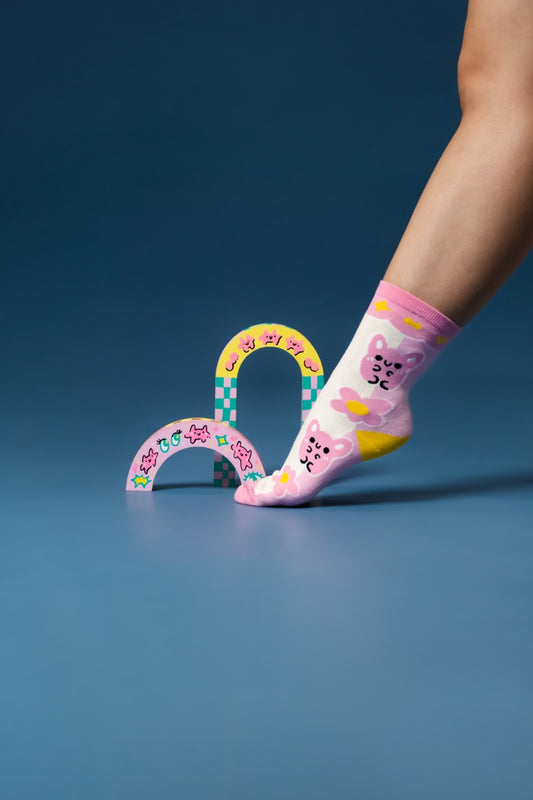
point(226, 400)
point(311, 387)
point(225, 411)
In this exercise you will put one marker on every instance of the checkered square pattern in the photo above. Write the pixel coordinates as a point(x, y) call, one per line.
point(311, 386)
point(224, 472)
point(225, 411)
point(226, 400)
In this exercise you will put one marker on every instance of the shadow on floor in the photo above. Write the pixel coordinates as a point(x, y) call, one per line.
point(409, 494)
point(413, 494)
point(193, 485)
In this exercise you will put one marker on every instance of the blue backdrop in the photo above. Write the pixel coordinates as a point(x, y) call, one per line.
point(174, 172)
point(177, 171)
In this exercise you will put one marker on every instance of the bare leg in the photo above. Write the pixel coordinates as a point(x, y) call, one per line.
point(473, 223)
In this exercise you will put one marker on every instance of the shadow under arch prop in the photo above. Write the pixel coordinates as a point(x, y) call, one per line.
point(193, 432)
point(248, 341)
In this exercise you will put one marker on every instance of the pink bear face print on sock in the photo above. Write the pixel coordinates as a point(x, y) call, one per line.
point(318, 449)
point(385, 367)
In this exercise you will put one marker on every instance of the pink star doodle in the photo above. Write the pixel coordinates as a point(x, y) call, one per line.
point(148, 461)
point(243, 455)
point(196, 434)
point(270, 337)
point(247, 344)
point(293, 344)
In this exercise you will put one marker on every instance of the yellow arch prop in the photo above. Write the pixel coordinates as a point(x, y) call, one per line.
point(250, 340)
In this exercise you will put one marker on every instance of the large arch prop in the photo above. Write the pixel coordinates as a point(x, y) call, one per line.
point(212, 434)
point(250, 340)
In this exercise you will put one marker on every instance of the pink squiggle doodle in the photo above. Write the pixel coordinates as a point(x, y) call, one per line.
point(148, 461)
point(196, 434)
point(312, 365)
point(270, 337)
point(242, 454)
point(293, 344)
point(234, 357)
point(247, 344)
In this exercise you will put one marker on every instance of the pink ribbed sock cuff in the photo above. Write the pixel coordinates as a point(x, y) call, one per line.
point(416, 306)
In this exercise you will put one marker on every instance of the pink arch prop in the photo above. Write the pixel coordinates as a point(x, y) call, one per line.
point(193, 432)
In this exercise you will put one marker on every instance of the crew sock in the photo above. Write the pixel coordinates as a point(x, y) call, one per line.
point(363, 410)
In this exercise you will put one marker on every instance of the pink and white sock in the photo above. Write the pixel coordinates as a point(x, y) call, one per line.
point(363, 410)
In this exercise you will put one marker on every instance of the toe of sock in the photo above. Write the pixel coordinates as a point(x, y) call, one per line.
point(245, 495)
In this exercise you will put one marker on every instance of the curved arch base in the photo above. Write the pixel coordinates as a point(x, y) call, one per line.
point(211, 434)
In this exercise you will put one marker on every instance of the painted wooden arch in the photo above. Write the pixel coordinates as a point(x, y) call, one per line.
point(213, 434)
point(248, 341)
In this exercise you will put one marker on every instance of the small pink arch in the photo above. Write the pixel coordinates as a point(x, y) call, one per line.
point(194, 432)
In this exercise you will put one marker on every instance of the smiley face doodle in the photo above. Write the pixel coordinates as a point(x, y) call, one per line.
point(198, 434)
point(243, 455)
point(270, 337)
point(295, 345)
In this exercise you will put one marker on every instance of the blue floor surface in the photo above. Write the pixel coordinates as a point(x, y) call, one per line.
point(376, 644)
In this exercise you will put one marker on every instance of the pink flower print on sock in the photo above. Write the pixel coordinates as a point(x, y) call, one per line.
point(385, 367)
point(318, 449)
point(284, 482)
point(368, 410)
